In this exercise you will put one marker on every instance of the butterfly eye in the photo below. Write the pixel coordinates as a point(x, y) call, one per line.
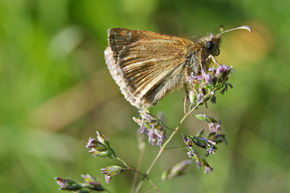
point(209, 45)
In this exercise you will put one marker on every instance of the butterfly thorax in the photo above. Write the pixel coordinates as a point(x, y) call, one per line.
point(199, 52)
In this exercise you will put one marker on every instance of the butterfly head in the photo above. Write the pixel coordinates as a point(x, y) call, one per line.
point(210, 44)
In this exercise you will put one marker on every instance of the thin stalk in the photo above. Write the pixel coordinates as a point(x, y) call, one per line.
point(154, 186)
point(137, 168)
point(123, 162)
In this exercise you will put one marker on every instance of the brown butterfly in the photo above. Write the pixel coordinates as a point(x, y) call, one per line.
point(147, 65)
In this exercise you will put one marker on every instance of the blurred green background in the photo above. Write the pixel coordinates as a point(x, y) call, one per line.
point(55, 91)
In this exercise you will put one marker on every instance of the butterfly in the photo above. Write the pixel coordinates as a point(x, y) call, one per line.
point(148, 65)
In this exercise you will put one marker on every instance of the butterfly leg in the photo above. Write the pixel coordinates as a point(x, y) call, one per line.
point(214, 60)
point(199, 59)
point(186, 98)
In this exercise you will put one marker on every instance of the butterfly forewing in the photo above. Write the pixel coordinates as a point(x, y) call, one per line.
point(146, 65)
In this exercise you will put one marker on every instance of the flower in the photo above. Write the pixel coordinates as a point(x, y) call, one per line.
point(111, 171)
point(67, 184)
point(89, 185)
point(151, 126)
point(92, 182)
point(99, 146)
point(204, 85)
point(198, 163)
point(214, 127)
point(217, 138)
point(207, 169)
point(209, 150)
point(201, 142)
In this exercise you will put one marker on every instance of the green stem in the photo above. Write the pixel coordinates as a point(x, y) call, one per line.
point(128, 168)
point(123, 162)
point(137, 169)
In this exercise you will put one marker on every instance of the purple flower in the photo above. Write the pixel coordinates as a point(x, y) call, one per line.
point(151, 126)
point(199, 98)
point(204, 85)
point(187, 141)
point(224, 69)
point(207, 77)
point(152, 137)
point(190, 154)
point(111, 171)
point(217, 138)
point(107, 179)
point(67, 184)
point(207, 169)
point(198, 163)
point(91, 143)
point(193, 78)
point(209, 151)
point(214, 127)
point(99, 146)
point(89, 185)
point(92, 182)
point(201, 142)
point(213, 71)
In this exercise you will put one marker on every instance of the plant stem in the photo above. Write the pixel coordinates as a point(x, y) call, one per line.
point(154, 186)
point(137, 169)
point(123, 162)
point(128, 168)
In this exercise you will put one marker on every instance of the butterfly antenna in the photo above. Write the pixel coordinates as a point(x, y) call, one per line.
point(245, 27)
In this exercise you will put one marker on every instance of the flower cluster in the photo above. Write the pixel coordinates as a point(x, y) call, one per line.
point(111, 171)
point(204, 86)
point(151, 126)
point(90, 184)
point(214, 129)
point(67, 184)
point(199, 161)
point(100, 146)
point(204, 143)
point(213, 125)
point(208, 142)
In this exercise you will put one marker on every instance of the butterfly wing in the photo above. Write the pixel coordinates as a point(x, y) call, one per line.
point(146, 65)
